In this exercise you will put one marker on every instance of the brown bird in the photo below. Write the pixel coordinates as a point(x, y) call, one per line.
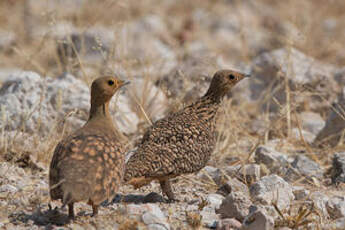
point(182, 142)
point(88, 165)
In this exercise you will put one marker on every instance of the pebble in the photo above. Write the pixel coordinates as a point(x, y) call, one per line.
point(270, 189)
point(235, 205)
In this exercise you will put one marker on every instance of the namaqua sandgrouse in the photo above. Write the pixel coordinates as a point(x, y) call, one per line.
point(89, 164)
point(182, 142)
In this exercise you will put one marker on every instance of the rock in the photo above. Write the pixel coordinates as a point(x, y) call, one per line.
point(319, 200)
point(336, 207)
point(212, 173)
point(229, 224)
point(92, 44)
point(235, 205)
point(335, 125)
point(32, 103)
point(271, 68)
point(214, 200)
point(338, 168)
point(156, 227)
point(209, 217)
point(275, 161)
point(7, 188)
point(305, 167)
point(312, 122)
point(139, 209)
point(271, 189)
point(338, 224)
point(249, 172)
point(307, 136)
point(233, 185)
point(300, 192)
point(190, 79)
point(258, 220)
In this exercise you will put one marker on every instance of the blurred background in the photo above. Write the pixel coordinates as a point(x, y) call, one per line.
point(50, 51)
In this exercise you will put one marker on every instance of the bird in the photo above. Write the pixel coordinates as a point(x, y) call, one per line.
point(88, 165)
point(182, 142)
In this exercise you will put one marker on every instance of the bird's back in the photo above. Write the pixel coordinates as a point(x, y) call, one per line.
point(179, 143)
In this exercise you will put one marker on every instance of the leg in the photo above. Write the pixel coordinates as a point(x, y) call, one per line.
point(70, 211)
point(94, 210)
point(166, 189)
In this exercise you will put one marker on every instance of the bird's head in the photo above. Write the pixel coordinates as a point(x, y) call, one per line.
point(223, 81)
point(103, 88)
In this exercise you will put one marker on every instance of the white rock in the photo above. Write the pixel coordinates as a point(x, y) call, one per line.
point(258, 220)
point(336, 207)
point(270, 189)
point(235, 205)
point(155, 216)
point(299, 69)
point(275, 161)
point(312, 122)
point(319, 199)
point(8, 188)
point(38, 104)
point(214, 200)
point(300, 192)
point(338, 224)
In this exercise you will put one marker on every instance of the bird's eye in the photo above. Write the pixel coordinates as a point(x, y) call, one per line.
point(232, 77)
point(110, 82)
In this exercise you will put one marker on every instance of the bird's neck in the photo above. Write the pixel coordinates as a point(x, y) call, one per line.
point(99, 111)
point(207, 107)
point(100, 117)
point(214, 96)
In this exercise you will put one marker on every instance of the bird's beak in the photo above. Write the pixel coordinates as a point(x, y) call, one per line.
point(247, 75)
point(123, 83)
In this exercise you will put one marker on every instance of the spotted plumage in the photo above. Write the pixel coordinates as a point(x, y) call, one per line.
point(88, 165)
point(182, 142)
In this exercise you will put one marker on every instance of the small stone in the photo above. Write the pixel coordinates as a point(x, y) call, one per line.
point(228, 224)
point(307, 166)
point(235, 205)
point(214, 200)
point(336, 207)
point(157, 227)
point(271, 189)
point(249, 172)
point(210, 172)
point(233, 185)
point(258, 220)
point(312, 122)
point(300, 192)
point(319, 200)
point(8, 188)
point(338, 168)
point(307, 136)
point(139, 209)
point(275, 161)
point(209, 217)
point(338, 224)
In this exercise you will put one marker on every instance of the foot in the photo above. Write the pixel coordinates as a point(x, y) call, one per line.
point(166, 189)
point(70, 211)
